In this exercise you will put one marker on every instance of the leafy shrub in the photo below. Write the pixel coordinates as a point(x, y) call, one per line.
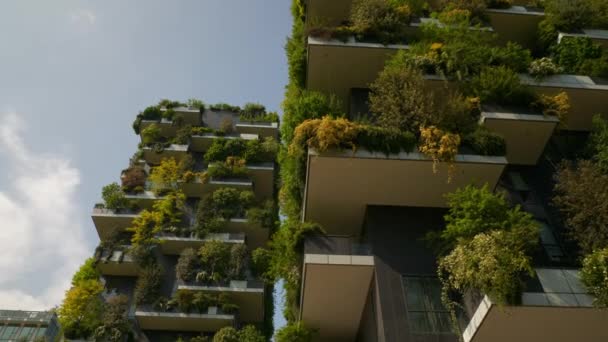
point(200, 130)
point(183, 135)
point(144, 228)
point(398, 99)
point(475, 210)
point(115, 325)
point(263, 216)
point(253, 110)
point(500, 85)
point(184, 299)
point(475, 7)
point(187, 265)
point(152, 113)
point(569, 15)
point(165, 176)
point(543, 67)
point(512, 56)
point(196, 104)
point(386, 140)
point(597, 67)
point(557, 105)
point(491, 263)
point(147, 287)
point(215, 261)
point(226, 126)
point(81, 309)
point(301, 105)
point(170, 209)
point(233, 167)
point(582, 197)
point(87, 271)
point(485, 143)
point(151, 135)
point(114, 197)
point(250, 334)
point(168, 104)
point(598, 142)
point(229, 202)
point(168, 114)
point(261, 259)
point(439, 145)
point(226, 334)
point(225, 107)
point(132, 178)
point(572, 53)
point(294, 332)
point(378, 19)
point(594, 275)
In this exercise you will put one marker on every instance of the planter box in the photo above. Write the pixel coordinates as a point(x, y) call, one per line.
point(144, 200)
point(262, 176)
point(117, 263)
point(201, 143)
point(537, 130)
point(516, 24)
point(256, 236)
point(563, 305)
point(248, 295)
point(335, 287)
point(107, 221)
point(335, 67)
point(199, 189)
point(167, 128)
point(191, 116)
point(174, 245)
point(340, 184)
point(261, 129)
point(177, 321)
point(597, 36)
point(587, 97)
point(174, 151)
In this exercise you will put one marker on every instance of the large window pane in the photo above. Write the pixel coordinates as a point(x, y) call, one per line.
point(414, 292)
point(419, 322)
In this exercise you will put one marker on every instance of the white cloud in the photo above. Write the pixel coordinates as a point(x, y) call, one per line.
point(41, 238)
point(83, 16)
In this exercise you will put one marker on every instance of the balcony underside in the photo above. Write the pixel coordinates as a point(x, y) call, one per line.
point(171, 321)
point(363, 178)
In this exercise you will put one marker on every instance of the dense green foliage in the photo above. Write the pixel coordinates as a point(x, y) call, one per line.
point(252, 151)
point(87, 271)
point(215, 261)
point(598, 142)
point(115, 325)
point(248, 334)
point(114, 197)
point(294, 332)
point(594, 274)
point(147, 287)
point(133, 179)
point(500, 85)
point(488, 245)
point(81, 310)
point(582, 196)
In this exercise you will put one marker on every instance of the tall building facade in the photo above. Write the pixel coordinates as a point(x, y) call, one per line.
point(183, 228)
point(28, 326)
point(373, 274)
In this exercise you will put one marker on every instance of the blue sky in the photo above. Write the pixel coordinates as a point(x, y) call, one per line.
point(73, 75)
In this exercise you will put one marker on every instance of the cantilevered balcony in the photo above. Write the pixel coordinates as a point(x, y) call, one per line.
point(512, 125)
point(154, 157)
point(362, 178)
point(256, 236)
point(172, 244)
point(144, 200)
point(597, 36)
point(336, 279)
point(558, 310)
point(201, 143)
point(117, 262)
point(212, 320)
point(261, 129)
point(517, 24)
point(587, 97)
point(191, 116)
point(167, 127)
point(335, 67)
point(108, 221)
point(247, 294)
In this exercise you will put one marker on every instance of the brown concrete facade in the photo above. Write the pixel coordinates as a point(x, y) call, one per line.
point(340, 185)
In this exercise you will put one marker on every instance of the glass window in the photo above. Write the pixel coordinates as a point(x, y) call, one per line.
point(8, 332)
point(25, 333)
point(426, 313)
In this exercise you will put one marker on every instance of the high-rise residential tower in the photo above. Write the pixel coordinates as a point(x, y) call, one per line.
point(427, 139)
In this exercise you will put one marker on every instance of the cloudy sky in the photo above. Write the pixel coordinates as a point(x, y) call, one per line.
point(73, 75)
